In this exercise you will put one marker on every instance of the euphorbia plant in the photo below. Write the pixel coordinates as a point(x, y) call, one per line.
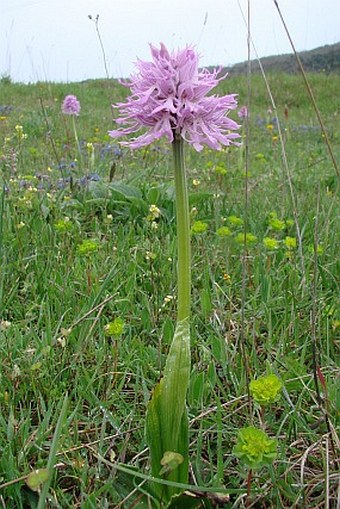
point(169, 98)
point(265, 391)
point(255, 450)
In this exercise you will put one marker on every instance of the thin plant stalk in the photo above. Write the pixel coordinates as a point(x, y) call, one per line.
point(285, 164)
point(183, 232)
point(2, 209)
point(315, 345)
point(249, 479)
point(246, 200)
point(96, 22)
point(77, 139)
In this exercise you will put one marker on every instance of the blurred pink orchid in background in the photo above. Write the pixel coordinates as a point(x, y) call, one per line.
point(243, 113)
point(169, 97)
point(71, 105)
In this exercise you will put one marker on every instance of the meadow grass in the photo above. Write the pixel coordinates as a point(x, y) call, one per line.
point(79, 248)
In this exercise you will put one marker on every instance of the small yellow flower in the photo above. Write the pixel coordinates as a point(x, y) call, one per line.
point(108, 219)
point(199, 227)
point(290, 242)
point(270, 127)
point(266, 389)
point(196, 182)
point(114, 328)
point(235, 221)
point(154, 210)
point(223, 231)
point(154, 213)
point(20, 132)
point(226, 277)
point(254, 447)
point(275, 223)
point(270, 243)
point(88, 246)
point(63, 225)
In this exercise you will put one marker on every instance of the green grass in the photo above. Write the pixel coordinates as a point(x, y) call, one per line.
point(55, 299)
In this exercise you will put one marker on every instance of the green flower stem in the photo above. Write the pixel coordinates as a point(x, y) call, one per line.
point(77, 139)
point(249, 479)
point(183, 232)
point(167, 418)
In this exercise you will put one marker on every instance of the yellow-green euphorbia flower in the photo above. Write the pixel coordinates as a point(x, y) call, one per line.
point(266, 390)
point(254, 447)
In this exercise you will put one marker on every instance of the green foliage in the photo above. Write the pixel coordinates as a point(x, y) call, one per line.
point(56, 301)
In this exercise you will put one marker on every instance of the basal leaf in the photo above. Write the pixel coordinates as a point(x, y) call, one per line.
point(166, 419)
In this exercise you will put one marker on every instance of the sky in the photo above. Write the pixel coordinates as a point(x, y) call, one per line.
point(54, 40)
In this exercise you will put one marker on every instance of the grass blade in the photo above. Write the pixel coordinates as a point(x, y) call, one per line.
point(53, 452)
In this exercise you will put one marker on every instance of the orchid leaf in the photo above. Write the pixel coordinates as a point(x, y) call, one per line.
point(185, 501)
point(166, 419)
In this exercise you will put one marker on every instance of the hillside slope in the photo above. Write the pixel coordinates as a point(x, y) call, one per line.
point(323, 59)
